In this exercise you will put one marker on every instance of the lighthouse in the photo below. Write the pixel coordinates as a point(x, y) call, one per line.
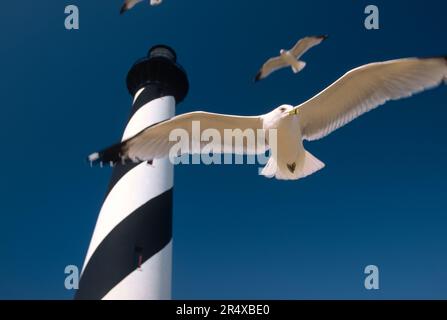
point(130, 252)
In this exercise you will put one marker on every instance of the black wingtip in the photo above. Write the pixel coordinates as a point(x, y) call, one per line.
point(123, 8)
point(445, 59)
point(432, 57)
point(323, 36)
point(111, 155)
point(258, 76)
point(435, 58)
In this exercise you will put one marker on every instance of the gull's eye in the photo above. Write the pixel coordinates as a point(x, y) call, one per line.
point(282, 109)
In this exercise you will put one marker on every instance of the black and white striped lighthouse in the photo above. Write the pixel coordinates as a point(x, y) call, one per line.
point(130, 253)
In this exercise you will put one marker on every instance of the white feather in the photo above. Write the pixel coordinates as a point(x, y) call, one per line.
point(153, 142)
point(365, 88)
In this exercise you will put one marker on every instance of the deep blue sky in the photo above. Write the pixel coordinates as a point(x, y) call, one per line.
point(380, 200)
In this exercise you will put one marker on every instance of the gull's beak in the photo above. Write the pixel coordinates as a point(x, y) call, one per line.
point(293, 112)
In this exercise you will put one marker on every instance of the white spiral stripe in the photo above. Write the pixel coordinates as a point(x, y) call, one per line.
point(114, 209)
point(137, 95)
point(157, 110)
point(142, 183)
point(154, 273)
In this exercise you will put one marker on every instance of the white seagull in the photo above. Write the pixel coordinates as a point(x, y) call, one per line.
point(129, 4)
point(358, 91)
point(289, 57)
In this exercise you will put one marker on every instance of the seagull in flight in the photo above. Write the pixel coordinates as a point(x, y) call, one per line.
point(129, 4)
point(290, 57)
point(355, 93)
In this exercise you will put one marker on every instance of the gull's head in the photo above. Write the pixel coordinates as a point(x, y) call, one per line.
point(282, 51)
point(283, 110)
point(278, 114)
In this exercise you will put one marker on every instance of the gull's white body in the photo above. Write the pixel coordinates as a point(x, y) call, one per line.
point(357, 92)
point(290, 161)
point(289, 59)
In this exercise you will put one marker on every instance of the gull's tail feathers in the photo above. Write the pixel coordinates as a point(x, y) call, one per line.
point(292, 171)
point(298, 66)
point(311, 165)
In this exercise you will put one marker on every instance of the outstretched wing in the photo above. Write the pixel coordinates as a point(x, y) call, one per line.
point(129, 4)
point(303, 45)
point(365, 88)
point(270, 66)
point(187, 131)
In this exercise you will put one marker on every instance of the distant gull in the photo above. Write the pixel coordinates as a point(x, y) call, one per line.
point(129, 4)
point(357, 92)
point(289, 57)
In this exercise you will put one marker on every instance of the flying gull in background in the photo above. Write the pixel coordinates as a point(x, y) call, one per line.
point(357, 92)
point(289, 57)
point(129, 4)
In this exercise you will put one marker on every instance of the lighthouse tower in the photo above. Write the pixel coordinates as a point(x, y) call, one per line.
point(130, 253)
